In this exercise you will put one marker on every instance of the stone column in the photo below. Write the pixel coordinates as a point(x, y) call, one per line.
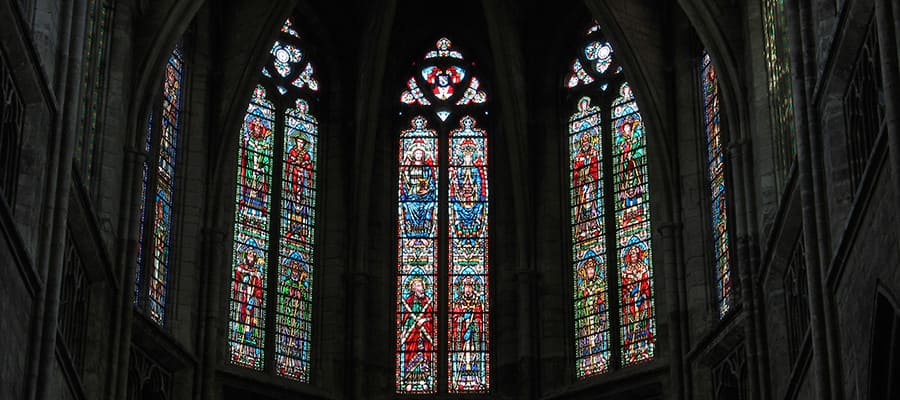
point(670, 238)
point(68, 86)
point(742, 164)
point(358, 359)
point(50, 185)
point(526, 280)
point(827, 380)
point(506, 51)
point(216, 248)
point(127, 258)
point(890, 79)
point(375, 40)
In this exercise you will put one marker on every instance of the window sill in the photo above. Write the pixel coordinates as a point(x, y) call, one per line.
point(640, 381)
point(263, 385)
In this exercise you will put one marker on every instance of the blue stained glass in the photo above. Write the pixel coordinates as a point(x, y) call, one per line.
point(446, 89)
point(158, 181)
point(716, 176)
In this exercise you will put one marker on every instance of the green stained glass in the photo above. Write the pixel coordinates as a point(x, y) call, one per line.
point(93, 80)
point(778, 64)
point(275, 216)
point(609, 198)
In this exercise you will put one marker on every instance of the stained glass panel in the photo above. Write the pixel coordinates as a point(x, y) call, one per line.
point(279, 202)
point(417, 320)
point(579, 75)
point(468, 316)
point(165, 185)
point(93, 81)
point(414, 95)
point(298, 205)
point(780, 85)
point(145, 181)
point(588, 235)
point(444, 49)
point(444, 82)
point(716, 176)
point(600, 54)
point(472, 94)
point(608, 169)
point(251, 233)
point(632, 200)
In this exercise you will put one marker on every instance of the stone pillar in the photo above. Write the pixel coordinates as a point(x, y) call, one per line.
point(890, 79)
point(744, 262)
point(506, 50)
point(827, 379)
point(46, 230)
point(127, 257)
point(670, 238)
point(215, 248)
point(742, 163)
point(375, 42)
point(747, 293)
point(526, 280)
point(53, 253)
point(358, 357)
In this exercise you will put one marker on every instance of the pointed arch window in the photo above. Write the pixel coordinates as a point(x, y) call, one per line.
point(158, 192)
point(442, 230)
point(270, 307)
point(716, 178)
point(93, 81)
point(781, 100)
point(609, 201)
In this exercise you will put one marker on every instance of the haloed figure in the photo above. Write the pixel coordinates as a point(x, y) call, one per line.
point(467, 335)
point(586, 180)
point(417, 337)
point(418, 194)
point(248, 290)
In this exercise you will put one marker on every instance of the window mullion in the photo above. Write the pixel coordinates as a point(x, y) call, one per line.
point(274, 240)
point(443, 287)
point(609, 216)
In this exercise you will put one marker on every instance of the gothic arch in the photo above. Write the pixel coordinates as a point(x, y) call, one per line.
point(707, 18)
point(644, 62)
point(162, 26)
point(251, 47)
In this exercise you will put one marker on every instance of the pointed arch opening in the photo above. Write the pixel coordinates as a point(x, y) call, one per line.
point(443, 340)
point(609, 204)
point(273, 259)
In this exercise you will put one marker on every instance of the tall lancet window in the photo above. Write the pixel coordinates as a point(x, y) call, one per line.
point(610, 212)
point(781, 100)
point(94, 75)
point(155, 238)
point(716, 178)
point(270, 313)
point(442, 230)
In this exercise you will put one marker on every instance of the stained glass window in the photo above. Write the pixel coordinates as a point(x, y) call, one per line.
point(444, 105)
point(145, 181)
point(275, 216)
point(781, 101)
point(93, 80)
point(158, 191)
point(716, 175)
point(609, 200)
